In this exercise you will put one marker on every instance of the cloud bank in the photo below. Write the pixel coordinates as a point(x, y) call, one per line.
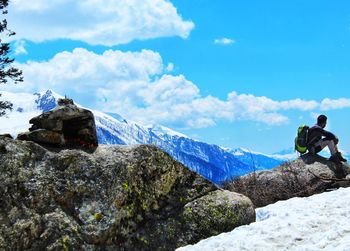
point(140, 86)
point(224, 41)
point(103, 22)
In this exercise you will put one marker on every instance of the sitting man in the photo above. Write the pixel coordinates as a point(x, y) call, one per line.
point(318, 138)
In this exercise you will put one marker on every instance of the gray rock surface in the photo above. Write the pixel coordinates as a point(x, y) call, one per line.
point(301, 177)
point(115, 198)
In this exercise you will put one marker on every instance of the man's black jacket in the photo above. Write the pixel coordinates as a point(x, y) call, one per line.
point(316, 133)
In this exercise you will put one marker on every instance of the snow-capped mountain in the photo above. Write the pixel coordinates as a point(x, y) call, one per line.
point(257, 161)
point(213, 162)
point(287, 154)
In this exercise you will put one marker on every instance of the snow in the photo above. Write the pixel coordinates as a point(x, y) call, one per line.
point(162, 130)
point(16, 122)
point(20, 100)
point(245, 151)
point(319, 222)
point(24, 108)
point(290, 156)
point(237, 153)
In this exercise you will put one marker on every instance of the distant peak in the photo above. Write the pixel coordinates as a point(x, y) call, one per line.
point(159, 129)
point(46, 100)
point(48, 93)
point(242, 150)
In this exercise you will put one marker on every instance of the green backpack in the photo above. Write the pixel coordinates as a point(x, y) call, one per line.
point(300, 141)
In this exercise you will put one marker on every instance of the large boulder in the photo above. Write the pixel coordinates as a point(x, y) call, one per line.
point(65, 125)
point(305, 176)
point(115, 198)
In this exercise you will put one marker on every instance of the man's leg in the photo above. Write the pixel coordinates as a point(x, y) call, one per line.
point(336, 155)
point(323, 143)
point(318, 147)
point(331, 146)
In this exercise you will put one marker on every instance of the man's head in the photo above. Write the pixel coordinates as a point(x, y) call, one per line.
point(322, 121)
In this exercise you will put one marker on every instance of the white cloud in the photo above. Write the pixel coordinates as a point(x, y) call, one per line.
point(299, 104)
point(36, 5)
point(224, 41)
point(332, 104)
point(105, 22)
point(170, 67)
point(138, 86)
point(20, 48)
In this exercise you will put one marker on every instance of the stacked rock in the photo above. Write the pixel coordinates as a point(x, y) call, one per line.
point(65, 125)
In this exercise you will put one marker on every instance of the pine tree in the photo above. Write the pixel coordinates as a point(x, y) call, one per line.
point(7, 71)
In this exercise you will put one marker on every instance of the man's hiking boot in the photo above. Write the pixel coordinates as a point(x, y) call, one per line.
point(337, 158)
point(340, 157)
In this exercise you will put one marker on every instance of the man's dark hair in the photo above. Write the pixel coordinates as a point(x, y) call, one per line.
point(322, 119)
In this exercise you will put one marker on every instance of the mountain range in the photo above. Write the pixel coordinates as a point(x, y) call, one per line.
point(213, 162)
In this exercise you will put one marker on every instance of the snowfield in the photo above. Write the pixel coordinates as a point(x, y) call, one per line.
point(319, 222)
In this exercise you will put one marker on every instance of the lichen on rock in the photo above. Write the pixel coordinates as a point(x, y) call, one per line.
point(115, 198)
point(225, 208)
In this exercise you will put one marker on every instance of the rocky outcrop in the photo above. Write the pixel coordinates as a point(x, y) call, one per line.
point(305, 176)
point(115, 198)
point(65, 125)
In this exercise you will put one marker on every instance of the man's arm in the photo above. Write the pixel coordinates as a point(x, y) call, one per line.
point(328, 135)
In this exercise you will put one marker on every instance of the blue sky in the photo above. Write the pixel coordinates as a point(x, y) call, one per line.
point(232, 73)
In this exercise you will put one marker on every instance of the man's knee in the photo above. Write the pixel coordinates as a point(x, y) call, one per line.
point(318, 149)
point(332, 146)
point(336, 141)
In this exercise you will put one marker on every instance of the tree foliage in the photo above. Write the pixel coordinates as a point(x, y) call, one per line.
point(7, 71)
